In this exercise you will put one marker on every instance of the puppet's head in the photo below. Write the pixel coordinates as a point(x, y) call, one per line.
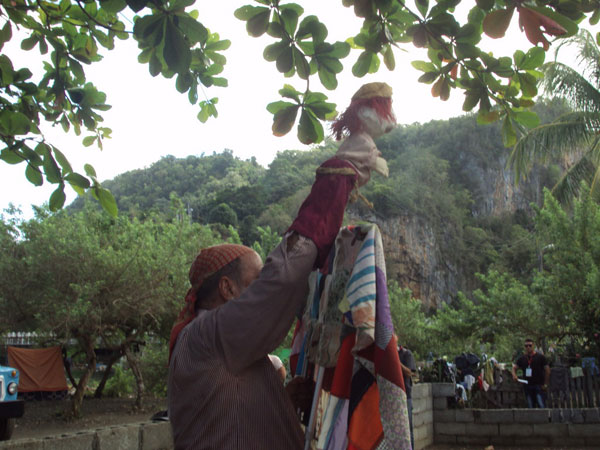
point(370, 111)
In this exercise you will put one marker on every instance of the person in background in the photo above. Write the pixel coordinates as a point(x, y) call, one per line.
point(536, 372)
point(278, 366)
point(407, 361)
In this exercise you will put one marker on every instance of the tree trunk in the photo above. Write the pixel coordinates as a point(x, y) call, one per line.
point(113, 359)
point(88, 344)
point(67, 364)
point(137, 373)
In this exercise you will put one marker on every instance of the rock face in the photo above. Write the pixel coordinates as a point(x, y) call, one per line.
point(413, 258)
point(414, 254)
point(495, 191)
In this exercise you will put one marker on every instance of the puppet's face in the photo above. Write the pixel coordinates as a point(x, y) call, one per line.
point(374, 124)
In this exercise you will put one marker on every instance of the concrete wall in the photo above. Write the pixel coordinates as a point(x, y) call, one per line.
point(139, 436)
point(433, 423)
point(422, 415)
point(518, 427)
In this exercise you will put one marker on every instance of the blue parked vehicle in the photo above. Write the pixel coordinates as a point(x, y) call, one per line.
point(10, 407)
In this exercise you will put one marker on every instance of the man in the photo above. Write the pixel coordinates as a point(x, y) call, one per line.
point(536, 372)
point(407, 361)
point(223, 392)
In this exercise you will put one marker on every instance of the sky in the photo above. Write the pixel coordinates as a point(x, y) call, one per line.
point(150, 119)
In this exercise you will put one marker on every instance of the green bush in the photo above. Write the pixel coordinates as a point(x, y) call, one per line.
point(153, 365)
point(120, 384)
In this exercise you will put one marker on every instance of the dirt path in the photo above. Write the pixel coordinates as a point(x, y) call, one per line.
point(46, 417)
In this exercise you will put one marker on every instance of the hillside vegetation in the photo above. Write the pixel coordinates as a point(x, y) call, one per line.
point(526, 267)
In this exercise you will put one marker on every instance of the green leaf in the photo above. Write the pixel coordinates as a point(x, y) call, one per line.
point(193, 30)
point(176, 52)
point(14, 123)
point(107, 201)
point(310, 129)
point(485, 4)
point(284, 119)
point(29, 43)
point(424, 66)
point(285, 61)
point(89, 170)
point(533, 59)
point(207, 110)
point(257, 25)
point(113, 6)
point(327, 78)
point(247, 12)
point(496, 23)
point(274, 107)
point(388, 58)
point(219, 45)
point(509, 136)
point(273, 51)
point(288, 91)
point(301, 64)
point(51, 169)
point(57, 199)
point(62, 160)
point(136, 5)
point(5, 34)
point(77, 180)
point(428, 77)
point(471, 100)
point(367, 62)
point(528, 119)
point(486, 117)
point(11, 156)
point(422, 6)
point(34, 175)
point(289, 19)
point(310, 26)
point(88, 141)
point(183, 82)
point(528, 85)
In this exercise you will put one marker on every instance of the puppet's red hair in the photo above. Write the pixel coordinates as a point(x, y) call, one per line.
point(349, 122)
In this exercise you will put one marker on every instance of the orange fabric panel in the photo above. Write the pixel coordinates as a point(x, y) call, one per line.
point(365, 430)
point(40, 369)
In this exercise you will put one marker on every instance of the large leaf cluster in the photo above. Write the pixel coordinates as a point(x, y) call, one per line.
point(70, 34)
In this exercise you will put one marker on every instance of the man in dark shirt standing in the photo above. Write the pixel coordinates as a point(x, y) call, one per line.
point(407, 361)
point(536, 372)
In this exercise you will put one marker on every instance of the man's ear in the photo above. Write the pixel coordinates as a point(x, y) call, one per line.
point(226, 288)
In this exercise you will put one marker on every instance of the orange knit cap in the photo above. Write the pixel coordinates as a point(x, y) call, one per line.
point(208, 262)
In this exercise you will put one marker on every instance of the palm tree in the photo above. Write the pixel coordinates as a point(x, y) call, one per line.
point(575, 135)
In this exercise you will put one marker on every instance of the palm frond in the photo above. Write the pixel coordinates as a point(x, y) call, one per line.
point(563, 81)
point(570, 133)
point(569, 185)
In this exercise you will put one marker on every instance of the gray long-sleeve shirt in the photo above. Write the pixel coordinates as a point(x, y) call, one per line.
point(223, 392)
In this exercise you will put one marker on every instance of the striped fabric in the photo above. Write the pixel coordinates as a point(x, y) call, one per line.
point(366, 406)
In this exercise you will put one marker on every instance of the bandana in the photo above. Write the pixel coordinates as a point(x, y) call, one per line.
point(209, 261)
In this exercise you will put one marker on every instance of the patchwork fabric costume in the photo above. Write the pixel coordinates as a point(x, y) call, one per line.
point(346, 338)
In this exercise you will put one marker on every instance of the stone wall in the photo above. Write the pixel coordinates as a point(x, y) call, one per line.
point(433, 423)
point(138, 436)
point(422, 415)
point(508, 427)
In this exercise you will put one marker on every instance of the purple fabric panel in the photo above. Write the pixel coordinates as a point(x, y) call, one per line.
point(383, 324)
point(338, 439)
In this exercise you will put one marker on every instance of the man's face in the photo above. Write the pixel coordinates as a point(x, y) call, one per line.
point(529, 347)
point(251, 265)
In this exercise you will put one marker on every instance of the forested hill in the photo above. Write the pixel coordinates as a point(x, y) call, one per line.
point(448, 180)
